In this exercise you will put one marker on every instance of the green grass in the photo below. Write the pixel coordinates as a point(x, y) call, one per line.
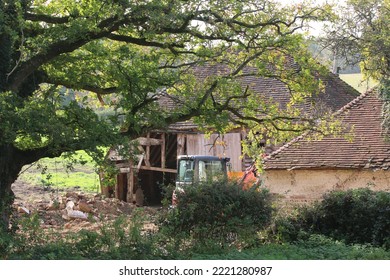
point(316, 248)
point(356, 81)
point(63, 173)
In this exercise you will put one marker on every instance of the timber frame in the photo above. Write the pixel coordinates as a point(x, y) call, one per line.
point(139, 180)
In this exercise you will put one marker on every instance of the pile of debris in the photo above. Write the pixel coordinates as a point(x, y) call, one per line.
point(74, 210)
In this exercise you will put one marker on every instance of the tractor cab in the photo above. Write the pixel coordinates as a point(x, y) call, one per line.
point(194, 169)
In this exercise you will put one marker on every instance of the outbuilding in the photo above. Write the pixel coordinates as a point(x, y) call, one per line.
point(304, 169)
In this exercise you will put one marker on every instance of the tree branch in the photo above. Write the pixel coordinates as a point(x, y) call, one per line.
point(143, 104)
point(192, 112)
point(30, 156)
point(46, 18)
point(60, 47)
point(92, 88)
point(142, 41)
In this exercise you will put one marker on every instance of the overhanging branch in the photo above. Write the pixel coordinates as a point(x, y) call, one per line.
point(142, 41)
point(46, 18)
point(60, 47)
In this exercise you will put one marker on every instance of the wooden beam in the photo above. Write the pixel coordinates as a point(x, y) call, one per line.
point(127, 165)
point(181, 140)
point(141, 158)
point(121, 186)
point(157, 169)
point(163, 157)
point(116, 194)
point(147, 154)
point(146, 141)
point(104, 189)
point(122, 165)
point(130, 185)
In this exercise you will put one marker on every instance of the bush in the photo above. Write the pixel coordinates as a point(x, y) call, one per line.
point(166, 194)
point(219, 211)
point(354, 216)
point(6, 244)
point(123, 238)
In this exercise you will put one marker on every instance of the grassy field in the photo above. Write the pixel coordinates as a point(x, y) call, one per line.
point(356, 81)
point(322, 249)
point(60, 172)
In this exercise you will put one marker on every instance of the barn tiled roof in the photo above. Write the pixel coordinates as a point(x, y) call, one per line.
point(368, 148)
point(169, 103)
point(337, 93)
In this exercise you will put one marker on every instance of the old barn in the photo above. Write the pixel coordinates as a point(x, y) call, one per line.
point(140, 180)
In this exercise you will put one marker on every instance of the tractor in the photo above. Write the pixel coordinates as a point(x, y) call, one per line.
point(201, 168)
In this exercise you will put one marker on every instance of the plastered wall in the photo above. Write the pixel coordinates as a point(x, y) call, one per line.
point(309, 185)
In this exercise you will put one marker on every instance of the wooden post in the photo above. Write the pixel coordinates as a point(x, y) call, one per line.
point(104, 189)
point(147, 155)
point(180, 144)
point(121, 183)
point(117, 186)
point(163, 157)
point(130, 184)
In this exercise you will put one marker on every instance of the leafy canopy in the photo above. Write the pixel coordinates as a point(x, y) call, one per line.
point(82, 74)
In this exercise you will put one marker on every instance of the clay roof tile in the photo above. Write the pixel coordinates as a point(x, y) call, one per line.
point(368, 148)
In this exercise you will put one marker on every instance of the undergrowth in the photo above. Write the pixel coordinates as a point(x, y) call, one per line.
point(219, 212)
point(180, 236)
point(359, 216)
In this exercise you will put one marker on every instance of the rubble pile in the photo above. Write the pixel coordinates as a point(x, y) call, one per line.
point(73, 210)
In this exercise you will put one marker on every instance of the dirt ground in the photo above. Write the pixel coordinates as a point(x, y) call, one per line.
point(70, 209)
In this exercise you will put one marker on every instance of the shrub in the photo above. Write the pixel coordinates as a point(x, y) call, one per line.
point(123, 238)
point(6, 244)
point(166, 194)
point(219, 211)
point(354, 216)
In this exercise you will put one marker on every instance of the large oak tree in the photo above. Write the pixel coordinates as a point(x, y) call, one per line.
point(62, 62)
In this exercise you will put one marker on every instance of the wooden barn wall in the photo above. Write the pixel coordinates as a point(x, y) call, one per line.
point(227, 145)
point(151, 181)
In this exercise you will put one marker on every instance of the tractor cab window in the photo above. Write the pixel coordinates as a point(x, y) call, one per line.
point(186, 170)
point(210, 170)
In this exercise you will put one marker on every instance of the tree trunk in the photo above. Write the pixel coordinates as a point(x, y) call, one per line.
point(10, 165)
